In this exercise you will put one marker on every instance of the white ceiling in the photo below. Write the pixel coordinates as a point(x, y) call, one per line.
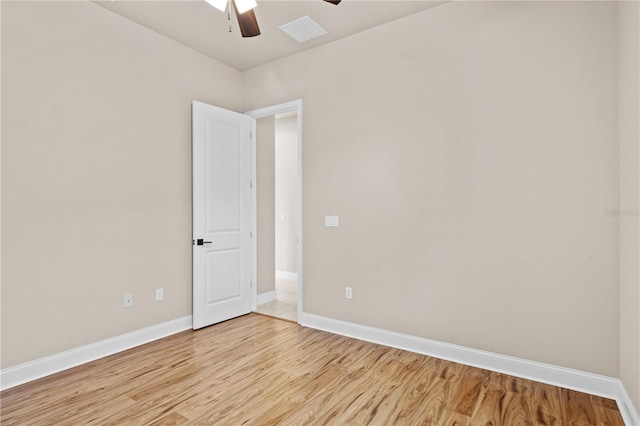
point(200, 26)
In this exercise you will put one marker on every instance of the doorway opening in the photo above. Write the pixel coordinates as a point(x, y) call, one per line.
point(278, 178)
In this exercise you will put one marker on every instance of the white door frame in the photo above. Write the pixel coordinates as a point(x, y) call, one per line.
point(266, 112)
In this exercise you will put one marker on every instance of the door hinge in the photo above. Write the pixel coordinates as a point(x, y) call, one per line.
point(250, 184)
point(250, 234)
point(250, 284)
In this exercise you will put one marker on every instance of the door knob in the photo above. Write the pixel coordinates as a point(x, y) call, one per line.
point(200, 242)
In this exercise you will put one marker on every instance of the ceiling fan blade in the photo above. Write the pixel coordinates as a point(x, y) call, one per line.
point(333, 1)
point(247, 22)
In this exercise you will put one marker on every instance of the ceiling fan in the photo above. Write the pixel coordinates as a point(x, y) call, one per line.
point(244, 12)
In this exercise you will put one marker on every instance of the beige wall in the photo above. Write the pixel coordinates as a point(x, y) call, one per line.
point(286, 193)
point(629, 187)
point(96, 174)
point(265, 187)
point(0, 187)
point(470, 152)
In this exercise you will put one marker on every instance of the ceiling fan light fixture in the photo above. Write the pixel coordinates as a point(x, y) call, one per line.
point(245, 5)
point(221, 5)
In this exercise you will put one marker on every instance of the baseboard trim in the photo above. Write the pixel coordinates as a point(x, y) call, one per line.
point(285, 275)
point(582, 381)
point(267, 297)
point(32, 370)
point(629, 411)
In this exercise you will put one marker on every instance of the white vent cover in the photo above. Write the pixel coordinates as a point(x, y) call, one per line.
point(303, 29)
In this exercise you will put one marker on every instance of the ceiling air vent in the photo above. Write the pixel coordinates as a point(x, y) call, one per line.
point(303, 29)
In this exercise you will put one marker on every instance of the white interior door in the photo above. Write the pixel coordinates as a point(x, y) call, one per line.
point(221, 214)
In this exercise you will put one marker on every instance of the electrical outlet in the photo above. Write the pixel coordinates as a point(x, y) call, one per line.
point(159, 294)
point(128, 301)
point(348, 293)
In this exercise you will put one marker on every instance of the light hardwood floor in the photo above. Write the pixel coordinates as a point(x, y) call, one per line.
point(263, 371)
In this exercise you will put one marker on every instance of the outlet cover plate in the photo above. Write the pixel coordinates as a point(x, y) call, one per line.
point(128, 301)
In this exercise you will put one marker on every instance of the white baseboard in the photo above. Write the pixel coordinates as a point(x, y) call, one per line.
point(32, 370)
point(285, 275)
point(628, 410)
point(594, 384)
point(269, 296)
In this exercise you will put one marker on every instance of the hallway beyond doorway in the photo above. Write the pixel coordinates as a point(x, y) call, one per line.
point(286, 304)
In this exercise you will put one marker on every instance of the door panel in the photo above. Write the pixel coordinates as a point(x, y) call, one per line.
point(224, 275)
point(221, 214)
point(224, 169)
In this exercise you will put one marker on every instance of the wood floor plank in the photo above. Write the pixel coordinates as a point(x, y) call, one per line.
point(171, 419)
point(606, 411)
point(517, 404)
point(468, 391)
point(378, 400)
point(356, 376)
point(416, 390)
point(546, 405)
point(578, 408)
point(256, 370)
point(489, 409)
point(433, 410)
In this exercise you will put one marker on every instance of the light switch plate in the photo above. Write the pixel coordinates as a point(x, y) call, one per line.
point(331, 221)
